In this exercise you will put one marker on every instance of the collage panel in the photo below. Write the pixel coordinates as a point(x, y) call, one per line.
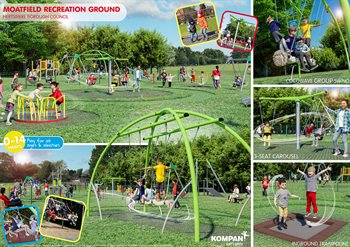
point(301, 204)
point(302, 42)
point(301, 123)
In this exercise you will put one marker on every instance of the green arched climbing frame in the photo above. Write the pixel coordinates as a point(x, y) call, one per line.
point(174, 116)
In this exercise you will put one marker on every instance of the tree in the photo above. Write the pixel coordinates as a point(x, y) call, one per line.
point(7, 164)
point(150, 49)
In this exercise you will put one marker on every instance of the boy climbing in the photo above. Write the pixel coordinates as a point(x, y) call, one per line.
point(281, 202)
point(311, 188)
point(278, 37)
point(160, 169)
point(306, 31)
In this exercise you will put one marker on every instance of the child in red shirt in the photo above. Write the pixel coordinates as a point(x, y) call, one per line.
point(8, 202)
point(265, 185)
point(309, 129)
point(216, 77)
point(91, 80)
point(56, 93)
point(176, 193)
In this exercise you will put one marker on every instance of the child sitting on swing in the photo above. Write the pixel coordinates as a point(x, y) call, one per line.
point(318, 136)
point(267, 132)
point(238, 82)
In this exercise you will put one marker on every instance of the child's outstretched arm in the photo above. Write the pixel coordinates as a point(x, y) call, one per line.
point(295, 196)
point(325, 170)
point(301, 172)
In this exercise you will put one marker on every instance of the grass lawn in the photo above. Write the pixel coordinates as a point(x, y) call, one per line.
point(288, 151)
point(212, 26)
point(95, 117)
point(264, 212)
point(329, 77)
point(128, 228)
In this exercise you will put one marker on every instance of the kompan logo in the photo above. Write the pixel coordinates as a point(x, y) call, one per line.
point(239, 238)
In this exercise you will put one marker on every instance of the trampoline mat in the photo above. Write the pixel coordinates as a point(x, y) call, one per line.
point(298, 230)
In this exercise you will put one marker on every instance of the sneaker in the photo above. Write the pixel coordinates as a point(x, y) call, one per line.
point(315, 67)
point(284, 225)
point(305, 69)
point(336, 153)
point(279, 227)
point(315, 216)
point(3, 114)
point(8, 124)
point(345, 155)
point(307, 214)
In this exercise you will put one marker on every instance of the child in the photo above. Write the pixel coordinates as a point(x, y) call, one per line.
point(265, 184)
point(91, 80)
point(202, 22)
point(318, 136)
point(302, 47)
point(126, 78)
point(193, 75)
point(18, 224)
point(267, 130)
point(160, 169)
point(276, 34)
point(10, 104)
point(56, 93)
point(306, 31)
point(46, 189)
point(192, 28)
point(35, 94)
point(309, 129)
point(14, 82)
point(216, 77)
point(248, 190)
point(235, 194)
point(311, 188)
point(164, 76)
point(33, 222)
point(176, 193)
point(238, 82)
point(248, 45)
point(149, 194)
point(170, 79)
point(32, 75)
point(202, 78)
point(281, 202)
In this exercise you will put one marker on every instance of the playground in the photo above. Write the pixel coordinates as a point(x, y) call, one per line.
point(332, 199)
point(89, 108)
point(319, 28)
point(300, 123)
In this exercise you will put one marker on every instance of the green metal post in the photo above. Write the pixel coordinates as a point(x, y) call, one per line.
point(345, 9)
point(344, 4)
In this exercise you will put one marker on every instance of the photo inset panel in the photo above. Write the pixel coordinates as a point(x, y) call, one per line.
point(197, 24)
point(301, 123)
point(301, 204)
point(20, 225)
point(63, 218)
point(237, 31)
point(302, 42)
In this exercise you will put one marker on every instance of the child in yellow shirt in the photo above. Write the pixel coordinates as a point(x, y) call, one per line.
point(306, 31)
point(10, 104)
point(160, 169)
point(267, 130)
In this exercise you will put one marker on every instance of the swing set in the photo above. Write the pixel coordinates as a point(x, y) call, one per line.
point(160, 119)
point(239, 74)
point(295, 11)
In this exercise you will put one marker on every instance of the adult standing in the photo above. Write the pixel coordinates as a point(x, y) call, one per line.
point(137, 79)
point(342, 126)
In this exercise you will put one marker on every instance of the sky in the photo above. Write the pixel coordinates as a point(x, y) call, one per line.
point(325, 18)
point(75, 156)
point(159, 15)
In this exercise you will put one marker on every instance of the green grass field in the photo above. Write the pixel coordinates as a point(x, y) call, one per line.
point(95, 117)
point(288, 151)
point(130, 229)
point(264, 212)
point(329, 77)
point(212, 26)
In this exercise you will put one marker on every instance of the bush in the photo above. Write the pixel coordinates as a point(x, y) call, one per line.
point(326, 58)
